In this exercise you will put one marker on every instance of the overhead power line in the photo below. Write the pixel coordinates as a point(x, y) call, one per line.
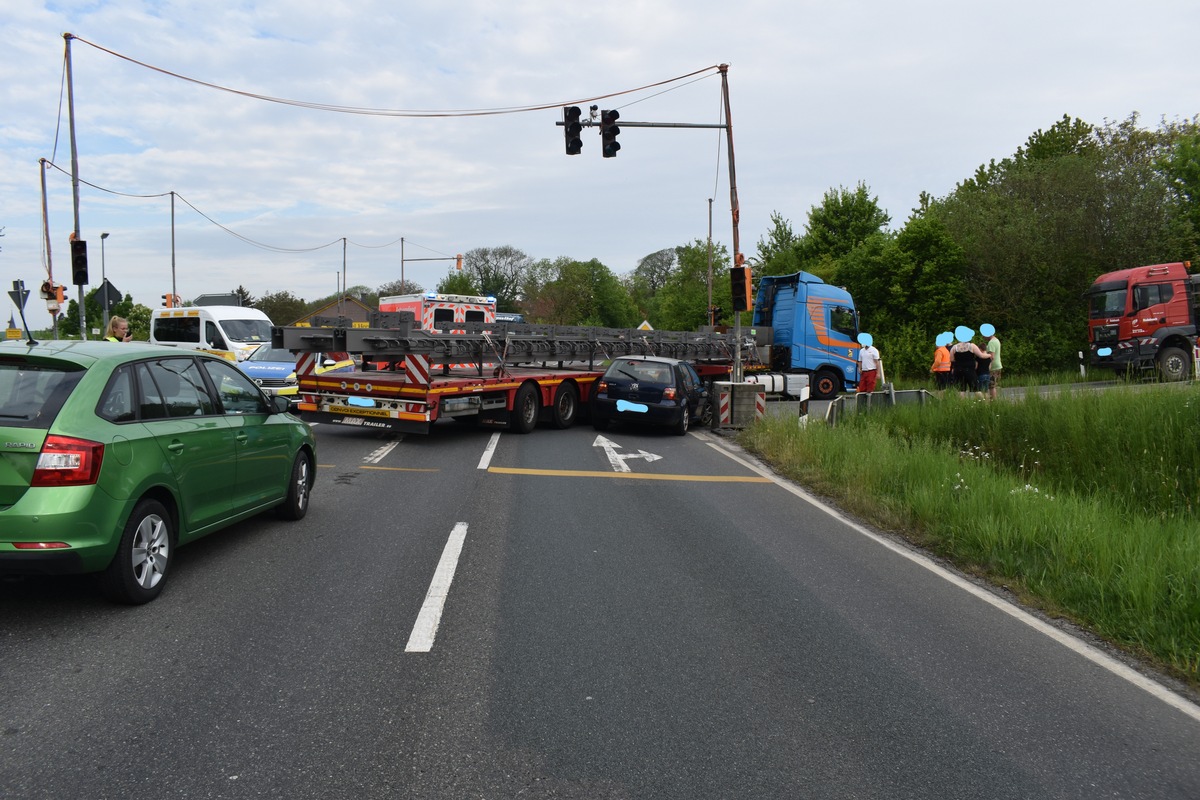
point(385, 112)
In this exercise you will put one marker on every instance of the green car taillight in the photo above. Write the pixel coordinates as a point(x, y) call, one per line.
point(65, 461)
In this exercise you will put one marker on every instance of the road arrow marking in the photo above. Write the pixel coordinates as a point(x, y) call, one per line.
point(618, 459)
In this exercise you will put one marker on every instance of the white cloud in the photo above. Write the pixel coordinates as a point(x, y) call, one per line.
point(906, 97)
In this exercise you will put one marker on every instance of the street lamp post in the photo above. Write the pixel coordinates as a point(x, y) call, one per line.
point(103, 282)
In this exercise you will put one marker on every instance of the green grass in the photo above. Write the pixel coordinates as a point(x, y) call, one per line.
point(1085, 503)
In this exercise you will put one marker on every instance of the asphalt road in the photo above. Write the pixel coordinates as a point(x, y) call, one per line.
point(689, 628)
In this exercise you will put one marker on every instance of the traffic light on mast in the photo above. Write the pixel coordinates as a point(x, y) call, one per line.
point(79, 271)
point(609, 132)
point(571, 129)
point(168, 300)
point(742, 284)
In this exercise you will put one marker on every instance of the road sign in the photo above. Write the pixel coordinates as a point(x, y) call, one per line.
point(109, 295)
point(19, 294)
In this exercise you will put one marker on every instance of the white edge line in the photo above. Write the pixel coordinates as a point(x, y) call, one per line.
point(430, 617)
point(485, 460)
point(1084, 649)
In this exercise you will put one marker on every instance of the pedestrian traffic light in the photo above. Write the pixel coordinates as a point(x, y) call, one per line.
point(79, 274)
point(571, 129)
point(742, 284)
point(609, 132)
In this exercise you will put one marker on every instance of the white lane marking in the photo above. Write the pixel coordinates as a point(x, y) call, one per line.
point(485, 460)
point(1096, 656)
point(617, 460)
point(380, 453)
point(425, 629)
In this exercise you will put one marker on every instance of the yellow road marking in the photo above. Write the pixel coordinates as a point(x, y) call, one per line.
point(642, 476)
point(398, 469)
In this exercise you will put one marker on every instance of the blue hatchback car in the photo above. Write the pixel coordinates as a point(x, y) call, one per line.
point(650, 390)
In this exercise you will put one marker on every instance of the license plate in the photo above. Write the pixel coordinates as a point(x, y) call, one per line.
point(625, 405)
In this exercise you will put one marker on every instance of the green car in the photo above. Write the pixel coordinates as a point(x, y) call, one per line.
point(112, 455)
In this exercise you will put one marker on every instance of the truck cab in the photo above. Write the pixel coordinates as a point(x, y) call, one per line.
point(1144, 318)
point(810, 327)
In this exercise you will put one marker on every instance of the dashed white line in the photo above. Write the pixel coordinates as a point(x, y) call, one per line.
point(486, 459)
point(380, 453)
point(430, 617)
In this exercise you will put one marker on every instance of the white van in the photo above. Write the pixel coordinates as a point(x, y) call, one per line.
point(230, 331)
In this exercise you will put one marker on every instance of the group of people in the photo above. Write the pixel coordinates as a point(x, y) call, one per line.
point(959, 362)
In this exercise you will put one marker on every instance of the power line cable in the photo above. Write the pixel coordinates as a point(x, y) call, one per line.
point(384, 112)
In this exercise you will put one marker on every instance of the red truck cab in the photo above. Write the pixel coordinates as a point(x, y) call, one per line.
point(1144, 318)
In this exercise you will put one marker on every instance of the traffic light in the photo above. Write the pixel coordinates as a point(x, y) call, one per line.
point(742, 284)
point(571, 129)
point(458, 262)
point(79, 275)
point(168, 300)
point(609, 132)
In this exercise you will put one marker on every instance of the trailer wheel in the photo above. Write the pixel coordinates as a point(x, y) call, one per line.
point(566, 405)
point(1174, 364)
point(525, 410)
point(825, 384)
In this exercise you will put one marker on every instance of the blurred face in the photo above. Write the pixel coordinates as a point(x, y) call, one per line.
point(121, 330)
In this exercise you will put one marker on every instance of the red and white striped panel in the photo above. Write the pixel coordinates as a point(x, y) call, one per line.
point(723, 405)
point(416, 370)
point(760, 404)
point(306, 364)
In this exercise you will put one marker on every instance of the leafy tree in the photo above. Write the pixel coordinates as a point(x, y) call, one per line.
point(282, 307)
point(650, 275)
point(568, 292)
point(778, 253)
point(457, 282)
point(684, 305)
point(398, 287)
point(498, 272)
point(843, 221)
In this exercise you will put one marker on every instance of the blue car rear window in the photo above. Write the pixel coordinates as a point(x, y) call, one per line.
point(32, 394)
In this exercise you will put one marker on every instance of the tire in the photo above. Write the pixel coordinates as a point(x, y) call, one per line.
point(299, 489)
point(1174, 364)
point(704, 413)
point(825, 384)
point(139, 568)
point(685, 419)
point(566, 406)
point(524, 415)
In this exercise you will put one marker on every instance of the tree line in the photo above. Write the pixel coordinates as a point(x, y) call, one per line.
point(1015, 245)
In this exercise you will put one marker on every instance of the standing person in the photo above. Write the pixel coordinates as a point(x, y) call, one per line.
point(941, 361)
point(993, 347)
point(868, 363)
point(964, 354)
point(117, 330)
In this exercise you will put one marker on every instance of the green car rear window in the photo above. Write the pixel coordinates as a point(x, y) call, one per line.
point(31, 394)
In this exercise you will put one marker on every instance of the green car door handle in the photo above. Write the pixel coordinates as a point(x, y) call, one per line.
point(242, 438)
point(175, 447)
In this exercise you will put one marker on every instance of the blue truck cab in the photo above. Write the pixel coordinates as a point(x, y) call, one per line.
point(811, 328)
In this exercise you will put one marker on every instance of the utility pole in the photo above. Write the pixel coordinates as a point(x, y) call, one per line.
point(75, 237)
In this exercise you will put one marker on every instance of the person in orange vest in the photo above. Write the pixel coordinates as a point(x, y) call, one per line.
point(941, 361)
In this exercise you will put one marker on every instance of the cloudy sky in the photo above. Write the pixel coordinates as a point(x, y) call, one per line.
point(906, 97)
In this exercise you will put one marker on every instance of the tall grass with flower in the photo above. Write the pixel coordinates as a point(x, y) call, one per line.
point(1087, 504)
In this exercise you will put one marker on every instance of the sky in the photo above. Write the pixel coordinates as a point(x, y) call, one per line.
point(903, 97)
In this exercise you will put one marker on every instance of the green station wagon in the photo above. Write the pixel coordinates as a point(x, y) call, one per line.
point(112, 455)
